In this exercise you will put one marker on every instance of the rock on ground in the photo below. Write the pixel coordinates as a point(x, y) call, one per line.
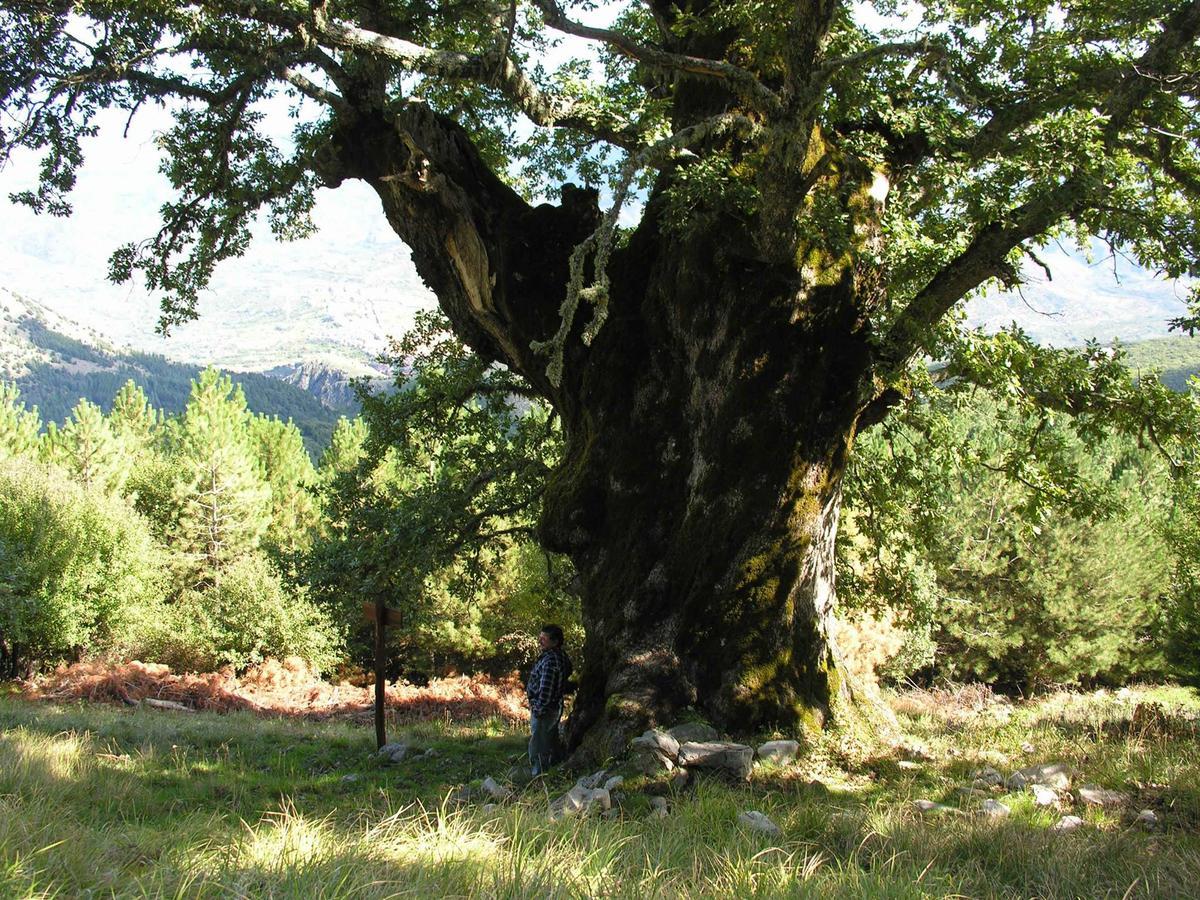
point(393, 752)
point(580, 801)
point(779, 752)
point(986, 777)
point(1094, 795)
point(1067, 823)
point(694, 732)
point(756, 821)
point(1054, 775)
point(654, 752)
point(928, 806)
point(994, 809)
point(732, 759)
point(495, 790)
point(155, 703)
point(657, 740)
point(1044, 796)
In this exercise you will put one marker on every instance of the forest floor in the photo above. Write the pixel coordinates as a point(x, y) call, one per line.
point(107, 799)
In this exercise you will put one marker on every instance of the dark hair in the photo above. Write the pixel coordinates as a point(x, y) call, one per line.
point(554, 632)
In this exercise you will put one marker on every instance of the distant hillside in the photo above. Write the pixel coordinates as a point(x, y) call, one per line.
point(54, 370)
point(1178, 357)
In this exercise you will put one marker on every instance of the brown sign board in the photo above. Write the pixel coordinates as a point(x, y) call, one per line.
point(391, 615)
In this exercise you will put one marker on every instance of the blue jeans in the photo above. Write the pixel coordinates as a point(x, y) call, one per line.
point(543, 738)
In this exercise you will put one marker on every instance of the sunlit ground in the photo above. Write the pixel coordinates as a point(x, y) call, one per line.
point(110, 801)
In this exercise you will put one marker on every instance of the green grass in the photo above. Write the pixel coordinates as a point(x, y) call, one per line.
point(98, 801)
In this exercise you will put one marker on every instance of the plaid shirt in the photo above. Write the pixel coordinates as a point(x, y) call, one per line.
point(546, 681)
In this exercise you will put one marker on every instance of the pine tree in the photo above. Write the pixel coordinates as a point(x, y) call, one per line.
point(290, 474)
point(132, 417)
point(87, 448)
point(19, 427)
point(345, 450)
point(221, 498)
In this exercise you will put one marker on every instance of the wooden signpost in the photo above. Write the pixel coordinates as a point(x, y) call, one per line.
point(383, 616)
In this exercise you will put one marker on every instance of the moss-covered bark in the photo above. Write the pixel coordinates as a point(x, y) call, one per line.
point(707, 426)
point(702, 485)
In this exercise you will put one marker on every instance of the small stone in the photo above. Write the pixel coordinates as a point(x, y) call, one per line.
point(1055, 775)
point(779, 752)
point(495, 790)
point(351, 779)
point(972, 792)
point(986, 777)
point(580, 800)
point(756, 821)
point(651, 762)
point(613, 783)
point(654, 752)
point(694, 732)
point(1043, 795)
point(591, 782)
point(928, 806)
point(1148, 819)
point(658, 741)
point(994, 809)
point(393, 752)
point(155, 703)
point(680, 779)
point(1094, 795)
point(490, 807)
point(728, 758)
point(1027, 748)
point(908, 765)
point(659, 803)
point(430, 753)
point(1067, 823)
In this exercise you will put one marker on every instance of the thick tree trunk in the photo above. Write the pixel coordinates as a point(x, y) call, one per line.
point(708, 426)
point(701, 489)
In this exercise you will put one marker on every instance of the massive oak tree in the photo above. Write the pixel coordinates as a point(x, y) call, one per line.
point(819, 184)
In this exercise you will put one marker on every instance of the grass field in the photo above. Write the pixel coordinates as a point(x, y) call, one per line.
point(98, 801)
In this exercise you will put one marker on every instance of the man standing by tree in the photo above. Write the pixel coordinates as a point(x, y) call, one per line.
point(547, 684)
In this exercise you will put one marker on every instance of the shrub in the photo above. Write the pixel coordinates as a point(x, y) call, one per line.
point(247, 617)
point(1181, 619)
point(76, 568)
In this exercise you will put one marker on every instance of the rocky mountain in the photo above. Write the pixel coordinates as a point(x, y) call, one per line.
point(332, 387)
point(55, 362)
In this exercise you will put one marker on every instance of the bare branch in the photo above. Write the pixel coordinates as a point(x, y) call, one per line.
point(826, 71)
point(311, 89)
point(763, 97)
point(542, 109)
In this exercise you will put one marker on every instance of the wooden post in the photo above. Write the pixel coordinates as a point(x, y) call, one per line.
point(380, 681)
point(382, 616)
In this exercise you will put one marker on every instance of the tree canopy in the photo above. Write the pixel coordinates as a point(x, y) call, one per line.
point(971, 131)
